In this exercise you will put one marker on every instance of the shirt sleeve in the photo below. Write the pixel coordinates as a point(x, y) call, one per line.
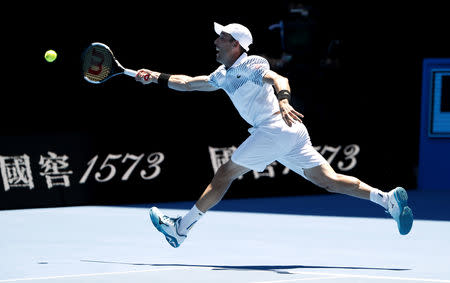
point(213, 77)
point(258, 67)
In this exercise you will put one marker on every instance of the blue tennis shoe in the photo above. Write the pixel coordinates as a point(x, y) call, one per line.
point(168, 226)
point(399, 210)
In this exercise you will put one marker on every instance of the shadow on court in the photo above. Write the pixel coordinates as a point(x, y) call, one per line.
point(280, 269)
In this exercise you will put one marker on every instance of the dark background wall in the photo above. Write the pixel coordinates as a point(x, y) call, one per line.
point(371, 100)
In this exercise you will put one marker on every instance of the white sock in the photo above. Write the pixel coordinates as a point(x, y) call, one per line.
point(189, 220)
point(379, 197)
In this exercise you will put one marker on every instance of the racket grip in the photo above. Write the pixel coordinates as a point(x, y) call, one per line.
point(131, 73)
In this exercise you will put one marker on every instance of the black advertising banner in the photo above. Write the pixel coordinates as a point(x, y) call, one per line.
point(60, 170)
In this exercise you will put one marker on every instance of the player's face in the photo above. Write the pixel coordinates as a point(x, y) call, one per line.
point(224, 47)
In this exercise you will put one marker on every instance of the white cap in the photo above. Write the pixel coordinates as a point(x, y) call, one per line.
point(238, 32)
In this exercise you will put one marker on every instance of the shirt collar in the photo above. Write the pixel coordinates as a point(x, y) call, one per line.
point(239, 60)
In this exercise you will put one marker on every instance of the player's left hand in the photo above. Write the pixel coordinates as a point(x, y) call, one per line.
point(289, 114)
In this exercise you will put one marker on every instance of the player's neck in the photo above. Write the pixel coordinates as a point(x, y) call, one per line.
point(233, 59)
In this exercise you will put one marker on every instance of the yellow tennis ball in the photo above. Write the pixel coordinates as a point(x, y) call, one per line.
point(50, 55)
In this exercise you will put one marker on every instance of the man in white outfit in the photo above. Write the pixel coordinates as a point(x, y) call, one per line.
point(262, 97)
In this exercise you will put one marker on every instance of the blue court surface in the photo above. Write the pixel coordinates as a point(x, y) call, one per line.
point(323, 238)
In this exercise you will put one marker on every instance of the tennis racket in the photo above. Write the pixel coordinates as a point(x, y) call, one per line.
point(99, 64)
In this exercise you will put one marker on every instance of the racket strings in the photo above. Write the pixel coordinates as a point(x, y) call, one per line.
point(98, 62)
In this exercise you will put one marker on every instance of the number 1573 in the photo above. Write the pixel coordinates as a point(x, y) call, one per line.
point(109, 167)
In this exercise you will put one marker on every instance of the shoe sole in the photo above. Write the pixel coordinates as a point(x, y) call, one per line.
point(406, 218)
point(155, 220)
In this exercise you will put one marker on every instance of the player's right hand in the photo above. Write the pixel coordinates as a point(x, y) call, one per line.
point(146, 76)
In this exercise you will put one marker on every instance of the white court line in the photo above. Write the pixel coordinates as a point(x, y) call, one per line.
point(301, 279)
point(326, 276)
point(93, 274)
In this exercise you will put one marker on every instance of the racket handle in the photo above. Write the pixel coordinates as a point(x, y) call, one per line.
point(131, 73)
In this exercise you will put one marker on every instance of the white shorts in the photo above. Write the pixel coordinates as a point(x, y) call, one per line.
point(274, 140)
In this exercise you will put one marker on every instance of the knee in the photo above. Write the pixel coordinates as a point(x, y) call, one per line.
point(327, 182)
point(323, 176)
point(338, 183)
point(226, 173)
point(330, 181)
point(223, 174)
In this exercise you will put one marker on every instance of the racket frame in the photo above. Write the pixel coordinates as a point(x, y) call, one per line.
point(125, 71)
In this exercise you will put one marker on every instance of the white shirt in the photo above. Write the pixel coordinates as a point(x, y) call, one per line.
point(243, 82)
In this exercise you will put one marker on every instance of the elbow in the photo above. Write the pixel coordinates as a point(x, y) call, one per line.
point(187, 86)
point(280, 80)
point(285, 81)
point(181, 85)
point(282, 83)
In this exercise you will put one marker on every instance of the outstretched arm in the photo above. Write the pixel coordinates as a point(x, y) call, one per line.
point(280, 83)
point(177, 82)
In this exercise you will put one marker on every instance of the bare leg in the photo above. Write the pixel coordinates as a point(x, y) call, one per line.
point(219, 185)
point(325, 177)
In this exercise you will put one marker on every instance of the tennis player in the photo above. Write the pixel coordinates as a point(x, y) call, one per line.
point(262, 97)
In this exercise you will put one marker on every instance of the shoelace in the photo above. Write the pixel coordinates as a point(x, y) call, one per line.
point(172, 221)
point(168, 220)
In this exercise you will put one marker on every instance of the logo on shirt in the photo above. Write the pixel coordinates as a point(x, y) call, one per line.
point(238, 76)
